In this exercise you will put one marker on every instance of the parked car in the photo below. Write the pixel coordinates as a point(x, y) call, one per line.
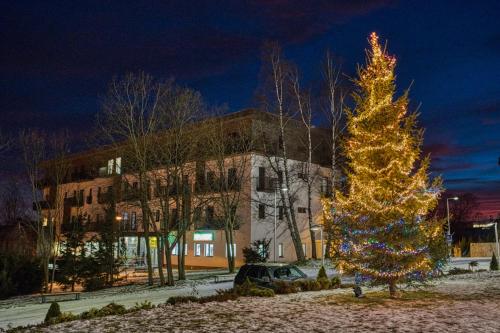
point(264, 274)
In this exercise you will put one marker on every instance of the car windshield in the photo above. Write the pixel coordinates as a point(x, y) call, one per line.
point(288, 273)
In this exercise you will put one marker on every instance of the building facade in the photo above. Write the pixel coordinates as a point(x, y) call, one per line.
point(100, 179)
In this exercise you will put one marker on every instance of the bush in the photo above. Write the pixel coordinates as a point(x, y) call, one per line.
point(146, 305)
point(53, 313)
point(335, 282)
point(258, 251)
point(494, 263)
point(261, 292)
point(324, 283)
point(322, 273)
point(282, 287)
point(221, 296)
point(309, 285)
point(457, 271)
point(174, 300)
point(112, 309)
point(19, 275)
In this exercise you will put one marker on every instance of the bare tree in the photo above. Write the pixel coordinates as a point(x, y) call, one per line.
point(228, 149)
point(278, 102)
point(174, 149)
point(34, 150)
point(309, 171)
point(129, 121)
point(335, 113)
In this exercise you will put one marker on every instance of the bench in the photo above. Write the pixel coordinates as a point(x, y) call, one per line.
point(223, 278)
point(69, 296)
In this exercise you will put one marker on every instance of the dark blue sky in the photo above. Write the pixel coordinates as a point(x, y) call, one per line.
point(57, 58)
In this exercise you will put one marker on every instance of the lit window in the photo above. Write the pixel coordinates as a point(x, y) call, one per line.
point(185, 249)
point(110, 166)
point(280, 250)
point(304, 249)
point(209, 250)
point(233, 251)
point(197, 249)
point(118, 165)
point(175, 250)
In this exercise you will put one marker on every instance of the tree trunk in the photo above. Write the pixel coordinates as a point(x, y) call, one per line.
point(311, 223)
point(170, 273)
point(229, 248)
point(393, 291)
point(160, 249)
point(148, 246)
point(182, 268)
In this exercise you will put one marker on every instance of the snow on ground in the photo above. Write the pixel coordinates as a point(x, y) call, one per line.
point(465, 303)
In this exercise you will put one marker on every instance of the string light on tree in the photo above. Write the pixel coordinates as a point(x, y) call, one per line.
point(385, 234)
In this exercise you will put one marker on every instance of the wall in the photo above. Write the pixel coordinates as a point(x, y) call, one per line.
point(482, 249)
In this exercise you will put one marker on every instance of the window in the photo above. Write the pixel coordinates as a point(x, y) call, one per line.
point(281, 212)
point(175, 250)
point(133, 221)
point(231, 178)
point(157, 216)
point(209, 250)
point(280, 250)
point(302, 210)
point(261, 183)
point(262, 211)
point(118, 165)
point(257, 272)
point(110, 166)
point(209, 215)
point(261, 250)
point(232, 250)
point(304, 249)
point(197, 249)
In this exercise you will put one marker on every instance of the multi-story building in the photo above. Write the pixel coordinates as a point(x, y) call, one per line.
point(99, 175)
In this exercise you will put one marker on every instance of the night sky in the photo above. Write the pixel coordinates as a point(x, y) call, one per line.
point(58, 57)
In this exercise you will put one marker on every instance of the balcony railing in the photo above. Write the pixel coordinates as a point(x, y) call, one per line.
point(73, 201)
point(105, 198)
point(266, 184)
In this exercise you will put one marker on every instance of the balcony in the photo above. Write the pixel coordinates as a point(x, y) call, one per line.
point(266, 184)
point(73, 201)
point(105, 198)
point(130, 195)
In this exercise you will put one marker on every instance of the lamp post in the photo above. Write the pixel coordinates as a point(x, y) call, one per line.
point(277, 187)
point(319, 227)
point(448, 234)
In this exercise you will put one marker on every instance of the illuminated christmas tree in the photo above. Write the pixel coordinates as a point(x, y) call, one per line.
point(386, 237)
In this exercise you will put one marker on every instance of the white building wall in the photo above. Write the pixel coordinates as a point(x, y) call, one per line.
point(264, 228)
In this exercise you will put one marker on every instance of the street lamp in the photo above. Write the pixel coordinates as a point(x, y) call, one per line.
point(319, 227)
point(448, 236)
point(277, 187)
